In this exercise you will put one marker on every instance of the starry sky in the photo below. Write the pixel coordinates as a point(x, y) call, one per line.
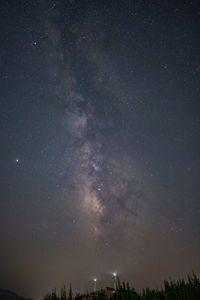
point(100, 145)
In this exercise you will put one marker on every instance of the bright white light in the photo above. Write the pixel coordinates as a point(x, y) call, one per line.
point(95, 279)
point(114, 274)
point(17, 160)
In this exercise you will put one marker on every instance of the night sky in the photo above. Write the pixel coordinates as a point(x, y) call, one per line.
point(100, 142)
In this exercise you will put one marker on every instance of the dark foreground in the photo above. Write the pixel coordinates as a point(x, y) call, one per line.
point(172, 290)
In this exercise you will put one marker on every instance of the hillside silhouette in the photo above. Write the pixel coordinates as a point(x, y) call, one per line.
point(8, 295)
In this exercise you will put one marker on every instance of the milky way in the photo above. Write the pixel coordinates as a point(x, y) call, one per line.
point(103, 175)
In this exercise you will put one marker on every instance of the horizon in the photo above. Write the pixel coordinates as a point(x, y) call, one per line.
point(119, 284)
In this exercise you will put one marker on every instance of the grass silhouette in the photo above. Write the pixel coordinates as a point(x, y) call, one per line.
point(188, 289)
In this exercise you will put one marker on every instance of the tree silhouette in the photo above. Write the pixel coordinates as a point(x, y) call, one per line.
point(63, 294)
point(70, 292)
